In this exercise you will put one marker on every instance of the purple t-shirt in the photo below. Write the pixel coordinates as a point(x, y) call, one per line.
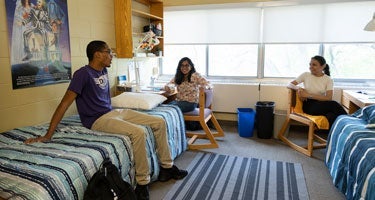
point(93, 98)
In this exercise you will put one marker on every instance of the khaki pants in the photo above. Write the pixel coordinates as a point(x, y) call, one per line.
point(128, 122)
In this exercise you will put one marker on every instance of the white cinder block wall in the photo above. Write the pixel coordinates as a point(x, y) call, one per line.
point(229, 97)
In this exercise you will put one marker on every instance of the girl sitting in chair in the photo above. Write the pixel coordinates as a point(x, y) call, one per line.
point(318, 91)
point(188, 82)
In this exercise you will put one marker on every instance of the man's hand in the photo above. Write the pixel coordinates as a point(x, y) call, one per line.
point(37, 139)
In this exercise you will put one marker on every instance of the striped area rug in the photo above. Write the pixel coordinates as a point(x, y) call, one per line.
point(215, 176)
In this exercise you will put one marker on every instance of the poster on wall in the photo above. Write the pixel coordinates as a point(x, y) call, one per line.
point(39, 43)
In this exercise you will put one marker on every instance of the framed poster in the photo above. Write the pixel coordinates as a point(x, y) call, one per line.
point(39, 44)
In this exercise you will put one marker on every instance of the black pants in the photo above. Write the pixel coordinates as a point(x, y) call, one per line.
point(330, 109)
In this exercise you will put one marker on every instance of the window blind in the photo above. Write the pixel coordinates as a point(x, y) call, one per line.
point(335, 22)
point(213, 26)
point(331, 22)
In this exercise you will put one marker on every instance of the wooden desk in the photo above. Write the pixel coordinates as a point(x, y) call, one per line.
point(121, 88)
point(352, 100)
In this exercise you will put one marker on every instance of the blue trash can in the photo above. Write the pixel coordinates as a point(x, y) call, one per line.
point(246, 118)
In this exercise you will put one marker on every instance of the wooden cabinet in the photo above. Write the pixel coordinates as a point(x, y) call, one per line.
point(124, 13)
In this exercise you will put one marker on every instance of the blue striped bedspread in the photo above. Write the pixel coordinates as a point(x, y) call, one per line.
point(62, 167)
point(350, 155)
point(175, 127)
point(176, 135)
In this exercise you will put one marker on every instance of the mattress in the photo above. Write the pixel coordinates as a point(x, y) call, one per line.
point(350, 155)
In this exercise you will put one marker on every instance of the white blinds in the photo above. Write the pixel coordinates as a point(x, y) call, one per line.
point(293, 24)
point(334, 22)
point(337, 22)
point(236, 25)
point(345, 22)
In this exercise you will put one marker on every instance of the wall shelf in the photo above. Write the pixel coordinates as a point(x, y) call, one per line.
point(146, 15)
point(147, 2)
point(124, 27)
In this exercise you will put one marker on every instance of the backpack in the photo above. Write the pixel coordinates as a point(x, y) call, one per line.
point(107, 184)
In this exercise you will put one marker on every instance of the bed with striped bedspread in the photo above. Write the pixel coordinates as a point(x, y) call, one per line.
point(350, 155)
point(61, 168)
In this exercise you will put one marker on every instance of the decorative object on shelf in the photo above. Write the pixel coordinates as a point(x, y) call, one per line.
point(156, 29)
point(147, 43)
point(371, 25)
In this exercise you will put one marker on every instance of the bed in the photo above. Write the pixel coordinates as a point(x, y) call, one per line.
point(350, 155)
point(61, 168)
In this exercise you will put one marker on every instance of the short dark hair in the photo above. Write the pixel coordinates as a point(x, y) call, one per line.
point(94, 46)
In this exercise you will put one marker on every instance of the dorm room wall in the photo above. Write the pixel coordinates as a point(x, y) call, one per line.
point(88, 20)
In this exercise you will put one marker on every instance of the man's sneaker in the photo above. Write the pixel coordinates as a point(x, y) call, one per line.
point(169, 173)
point(141, 191)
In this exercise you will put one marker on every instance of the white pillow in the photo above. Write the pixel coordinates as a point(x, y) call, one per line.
point(135, 100)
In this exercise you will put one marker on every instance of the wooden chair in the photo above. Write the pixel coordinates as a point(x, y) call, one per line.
point(204, 114)
point(314, 123)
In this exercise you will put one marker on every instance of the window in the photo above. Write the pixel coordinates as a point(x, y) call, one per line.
point(351, 61)
point(197, 54)
point(233, 60)
point(288, 60)
point(252, 41)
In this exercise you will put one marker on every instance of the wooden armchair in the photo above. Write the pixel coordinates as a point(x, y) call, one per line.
point(204, 114)
point(314, 123)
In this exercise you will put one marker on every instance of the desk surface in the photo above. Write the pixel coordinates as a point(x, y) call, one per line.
point(360, 98)
point(352, 100)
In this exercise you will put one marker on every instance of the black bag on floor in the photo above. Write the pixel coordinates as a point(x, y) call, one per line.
point(107, 184)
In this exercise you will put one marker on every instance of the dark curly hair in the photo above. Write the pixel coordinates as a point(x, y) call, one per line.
point(179, 76)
